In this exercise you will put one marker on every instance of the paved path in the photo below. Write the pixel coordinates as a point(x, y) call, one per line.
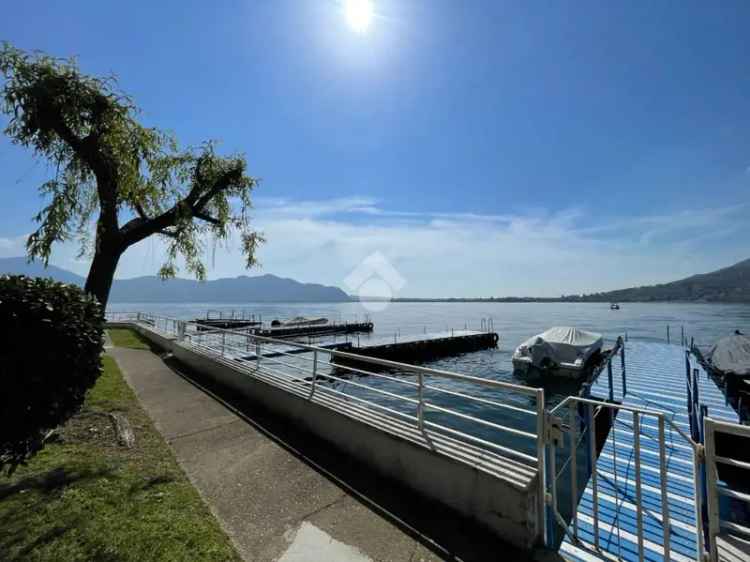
point(273, 503)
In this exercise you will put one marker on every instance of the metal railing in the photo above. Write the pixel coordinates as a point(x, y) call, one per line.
point(716, 488)
point(577, 418)
point(121, 316)
point(435, 403)
point(572, 437)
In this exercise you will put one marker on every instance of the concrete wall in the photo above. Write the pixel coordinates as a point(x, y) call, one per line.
point(504, 507)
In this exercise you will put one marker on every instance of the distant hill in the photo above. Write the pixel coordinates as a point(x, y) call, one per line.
point(261, 288)
point(36, 269)
point(731, 284)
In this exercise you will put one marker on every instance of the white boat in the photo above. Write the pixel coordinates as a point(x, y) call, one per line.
point(564, 351)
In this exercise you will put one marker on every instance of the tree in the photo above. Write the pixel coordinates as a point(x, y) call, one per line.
point(106, 161)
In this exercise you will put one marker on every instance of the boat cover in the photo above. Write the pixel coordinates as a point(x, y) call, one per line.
point(731, 355)
point(561, 345)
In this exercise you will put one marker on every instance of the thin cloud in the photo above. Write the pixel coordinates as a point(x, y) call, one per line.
point(464, 254)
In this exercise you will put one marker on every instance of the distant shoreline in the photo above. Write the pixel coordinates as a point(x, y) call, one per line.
point(522, 300)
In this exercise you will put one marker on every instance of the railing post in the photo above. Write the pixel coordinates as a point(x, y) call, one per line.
point(622, 365)
point(574, 467)
point(540, 464)
point(257, 354)
point(711, 485)
point(638, 491)
point(666, 536)
point(698, 503)
point(611, 383)
point(552, 460)
point(420, 405)
point(594, 476)
point(696, 392)
point(668, 341)
point(314, 373)
point(223, 343)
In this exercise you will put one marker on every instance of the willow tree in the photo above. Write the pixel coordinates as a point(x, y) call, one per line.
point(117, 182)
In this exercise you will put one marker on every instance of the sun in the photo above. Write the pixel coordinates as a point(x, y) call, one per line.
point(358, 14)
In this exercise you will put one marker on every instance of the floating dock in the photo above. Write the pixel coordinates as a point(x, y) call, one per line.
point(225, 323)
point(655, 379)
point(284, 332)
point(424, 347)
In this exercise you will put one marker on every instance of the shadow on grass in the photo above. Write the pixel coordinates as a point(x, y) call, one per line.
point(150, 483)
point(51, 481)
point(440, 529)
point(28, 532)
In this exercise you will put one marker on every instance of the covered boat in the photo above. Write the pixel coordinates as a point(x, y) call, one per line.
point(568, 351)
point(731, 355)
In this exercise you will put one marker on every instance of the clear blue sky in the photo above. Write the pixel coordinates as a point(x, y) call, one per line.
point(481, 147)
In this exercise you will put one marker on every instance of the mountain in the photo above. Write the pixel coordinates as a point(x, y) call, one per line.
point(262, 288)
point(36, 269)
point(730, 284)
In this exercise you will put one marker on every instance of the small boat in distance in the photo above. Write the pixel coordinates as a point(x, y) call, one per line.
point(561, 351)
point(614, 306)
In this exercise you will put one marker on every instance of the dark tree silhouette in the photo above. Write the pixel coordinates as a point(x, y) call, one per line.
point(133, 177)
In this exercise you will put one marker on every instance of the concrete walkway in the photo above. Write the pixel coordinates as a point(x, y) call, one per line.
point(281, 494)
point(273, 504)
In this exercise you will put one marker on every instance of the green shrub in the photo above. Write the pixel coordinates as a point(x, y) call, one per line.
point(50, 355)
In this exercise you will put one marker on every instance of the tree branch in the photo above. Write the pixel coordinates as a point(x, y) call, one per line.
point(170, 233)
point(140, 211)
point(208, 218)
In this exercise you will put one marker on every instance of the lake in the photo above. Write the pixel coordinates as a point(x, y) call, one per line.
point(513, 321)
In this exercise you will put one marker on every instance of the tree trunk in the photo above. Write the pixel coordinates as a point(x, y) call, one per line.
point(102, 272)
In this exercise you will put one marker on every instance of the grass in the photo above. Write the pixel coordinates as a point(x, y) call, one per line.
point(86, 497)
point(125, 337)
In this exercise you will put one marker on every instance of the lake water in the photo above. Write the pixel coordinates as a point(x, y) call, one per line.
point(514, 322)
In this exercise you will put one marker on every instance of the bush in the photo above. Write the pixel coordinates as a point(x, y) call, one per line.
point(50, 355)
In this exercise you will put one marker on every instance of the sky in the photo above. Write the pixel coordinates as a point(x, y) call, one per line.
point(477, 148)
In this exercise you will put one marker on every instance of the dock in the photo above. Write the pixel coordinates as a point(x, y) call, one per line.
point(656, 380)
point(625, 470)
point(424, 347)
point(225, 323)
point(228, 320)
point(285, 332)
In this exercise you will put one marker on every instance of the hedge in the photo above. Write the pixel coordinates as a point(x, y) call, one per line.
point(50, 355)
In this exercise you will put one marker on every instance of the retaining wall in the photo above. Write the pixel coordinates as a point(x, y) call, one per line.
point(507, 506)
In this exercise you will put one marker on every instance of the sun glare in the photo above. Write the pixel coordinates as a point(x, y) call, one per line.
point(358, 14)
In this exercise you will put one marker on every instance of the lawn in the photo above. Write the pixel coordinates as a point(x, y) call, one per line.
point(86, 497)
point(125, 337)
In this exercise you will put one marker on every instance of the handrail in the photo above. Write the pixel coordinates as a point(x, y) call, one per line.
point(279, 362)
point(715, 523)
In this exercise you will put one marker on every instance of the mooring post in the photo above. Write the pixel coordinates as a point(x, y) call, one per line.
point(611, 384)
point(682, 336)
point(668, 333)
